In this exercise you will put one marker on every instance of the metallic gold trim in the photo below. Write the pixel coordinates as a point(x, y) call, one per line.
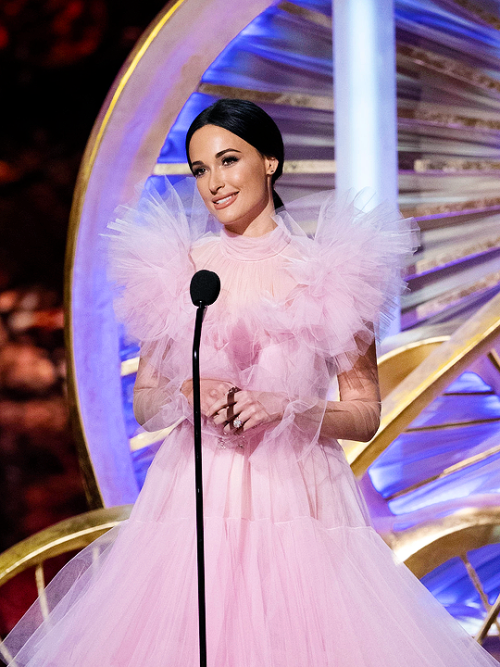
point(488, 621)
point(425, 114)
point(94, 495)
point(441, 115)
point(42, 594)
point(428, 545)
point(6, 655)
point(448, 67)
point(452, 256)
point(264, 97)
point(469, 342)
point(395, 365)
point(309, 167)
point(448, 425)
point(289, 167)
point(469, 206)
point(455, 166)
point(308, 14)
point(461, 465)
point(150, 437)
point(473, 576)
point(171, 169)
point(475, 580)
point(472, 7)
point(454, 296)
point(494, 358)
point(129, 68)
point(430, 115)
point(68, 535)
point(431, 543)
point(469, 393)
point(129, 366)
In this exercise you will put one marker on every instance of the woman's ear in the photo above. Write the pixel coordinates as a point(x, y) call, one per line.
point(271, 165)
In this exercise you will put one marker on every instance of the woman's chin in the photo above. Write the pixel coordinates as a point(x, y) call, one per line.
point(230, 222)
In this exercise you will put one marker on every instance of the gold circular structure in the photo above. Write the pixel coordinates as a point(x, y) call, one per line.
point(161, 73)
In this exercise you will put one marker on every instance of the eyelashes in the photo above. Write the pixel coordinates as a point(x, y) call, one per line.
point(230, 159)
point(226, 162)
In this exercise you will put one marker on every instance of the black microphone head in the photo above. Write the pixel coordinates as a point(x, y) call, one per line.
point(205, 287)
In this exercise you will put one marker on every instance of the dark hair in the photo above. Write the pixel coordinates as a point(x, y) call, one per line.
point(250, 123)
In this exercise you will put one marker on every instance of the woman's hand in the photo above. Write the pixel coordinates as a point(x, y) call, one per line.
point(252, 408)
point(211, 391)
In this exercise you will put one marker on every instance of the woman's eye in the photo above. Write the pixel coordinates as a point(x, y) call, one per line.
point(230, 159)
point(199, 171)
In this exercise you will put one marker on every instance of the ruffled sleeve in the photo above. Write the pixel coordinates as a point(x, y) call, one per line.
point(149, 264)
point(350, 277)
point(150, 270)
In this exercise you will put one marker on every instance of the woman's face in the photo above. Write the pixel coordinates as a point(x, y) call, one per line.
point(233, 178)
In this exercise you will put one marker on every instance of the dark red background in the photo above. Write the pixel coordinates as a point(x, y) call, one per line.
point(58, 59)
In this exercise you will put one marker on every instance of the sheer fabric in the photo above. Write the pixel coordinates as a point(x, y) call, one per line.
point(296, 575)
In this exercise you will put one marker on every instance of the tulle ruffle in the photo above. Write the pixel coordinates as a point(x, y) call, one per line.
point(293, 310)
point(295, 576)
point(351, 277)
point(338, 289)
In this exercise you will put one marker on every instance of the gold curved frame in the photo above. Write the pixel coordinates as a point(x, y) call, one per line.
point(422, 548)
point(396, 365)
point(187, 61)
point(94, 495)
point(471, 341)
point(68, 535)
point(65, 536)
point(432, 543)
point(405, 398)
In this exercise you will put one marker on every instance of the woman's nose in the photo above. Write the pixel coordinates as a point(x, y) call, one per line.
point(216, 181)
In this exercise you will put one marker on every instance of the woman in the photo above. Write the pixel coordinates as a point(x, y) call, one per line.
point(296, 576)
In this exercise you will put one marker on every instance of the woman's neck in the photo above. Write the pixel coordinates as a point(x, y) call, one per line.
point(256, 226)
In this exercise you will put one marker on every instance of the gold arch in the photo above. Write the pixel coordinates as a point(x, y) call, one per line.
point(188, 63)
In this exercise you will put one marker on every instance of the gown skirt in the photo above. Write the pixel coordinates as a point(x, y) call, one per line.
point(296, 576)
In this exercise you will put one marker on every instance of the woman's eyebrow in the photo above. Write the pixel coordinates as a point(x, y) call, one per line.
point(218, 155)
point(227, 150)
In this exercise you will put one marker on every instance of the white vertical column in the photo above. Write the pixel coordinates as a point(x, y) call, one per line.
point(365, 99)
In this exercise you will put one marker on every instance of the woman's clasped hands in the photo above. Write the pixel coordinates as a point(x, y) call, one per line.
point(234, 409)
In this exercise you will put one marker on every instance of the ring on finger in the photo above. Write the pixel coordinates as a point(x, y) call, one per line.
point(231, 402)
point(237, 423)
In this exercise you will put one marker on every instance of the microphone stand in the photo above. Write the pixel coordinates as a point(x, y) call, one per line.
point(200, 541)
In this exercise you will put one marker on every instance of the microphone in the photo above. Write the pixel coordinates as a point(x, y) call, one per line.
point(204, 288)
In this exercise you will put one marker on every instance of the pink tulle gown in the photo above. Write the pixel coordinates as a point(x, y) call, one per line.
point(296, 576)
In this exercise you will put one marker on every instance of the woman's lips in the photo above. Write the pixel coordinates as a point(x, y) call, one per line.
point(224, 202)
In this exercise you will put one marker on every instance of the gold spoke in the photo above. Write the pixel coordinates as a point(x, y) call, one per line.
point(494, 357)
point(5, 653)
point(488, 621)
point(463, 424)
point(40, 584)
point(478, 586)
point(461, 465)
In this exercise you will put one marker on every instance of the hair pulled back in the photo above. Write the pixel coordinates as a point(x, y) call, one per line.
point(249, 122)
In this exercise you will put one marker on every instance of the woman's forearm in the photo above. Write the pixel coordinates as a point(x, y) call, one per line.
point(355, 419)
point(148, 402)
point(357, 415)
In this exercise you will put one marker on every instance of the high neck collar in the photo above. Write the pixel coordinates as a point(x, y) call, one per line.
point(253, 248)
